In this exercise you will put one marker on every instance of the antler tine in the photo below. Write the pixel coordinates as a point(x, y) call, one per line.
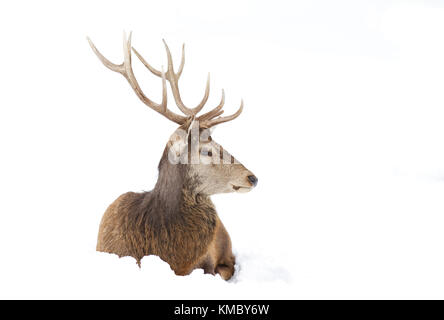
point(182, 62)
point(164, 92)
point(126, 70)
point(215, 112)
point(212, 122)
point(146, 64)
point(114, 67)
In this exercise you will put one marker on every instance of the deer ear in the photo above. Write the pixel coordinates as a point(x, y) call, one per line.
point(211, 130)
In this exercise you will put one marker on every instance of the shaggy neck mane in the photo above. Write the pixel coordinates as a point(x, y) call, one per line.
point(170, 184)
point(171, 215)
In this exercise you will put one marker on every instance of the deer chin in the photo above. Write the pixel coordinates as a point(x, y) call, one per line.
point(241, 189)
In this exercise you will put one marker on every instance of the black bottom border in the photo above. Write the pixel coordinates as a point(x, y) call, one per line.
point(223, 309)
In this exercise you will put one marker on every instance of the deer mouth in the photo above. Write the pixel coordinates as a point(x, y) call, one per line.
point(241, 189)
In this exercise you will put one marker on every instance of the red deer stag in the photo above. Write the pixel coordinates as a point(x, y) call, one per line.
point(177, 220)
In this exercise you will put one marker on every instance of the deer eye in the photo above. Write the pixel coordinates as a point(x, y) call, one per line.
point(207, 152)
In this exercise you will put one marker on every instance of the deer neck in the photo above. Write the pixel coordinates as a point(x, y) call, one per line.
point(177, 193)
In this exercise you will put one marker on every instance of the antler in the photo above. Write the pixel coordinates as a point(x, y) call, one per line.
point(126, 70)
point(206, 120)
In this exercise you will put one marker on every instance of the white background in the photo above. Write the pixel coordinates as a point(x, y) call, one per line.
point(343, 125)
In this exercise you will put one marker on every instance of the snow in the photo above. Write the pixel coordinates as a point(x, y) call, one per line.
point(342, 124)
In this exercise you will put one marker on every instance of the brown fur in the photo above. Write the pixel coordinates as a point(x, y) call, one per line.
point(173, 221)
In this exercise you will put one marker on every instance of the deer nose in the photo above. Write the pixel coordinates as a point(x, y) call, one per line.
point(253, 180)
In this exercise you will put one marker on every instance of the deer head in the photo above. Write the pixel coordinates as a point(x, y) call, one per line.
point(191, 147)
